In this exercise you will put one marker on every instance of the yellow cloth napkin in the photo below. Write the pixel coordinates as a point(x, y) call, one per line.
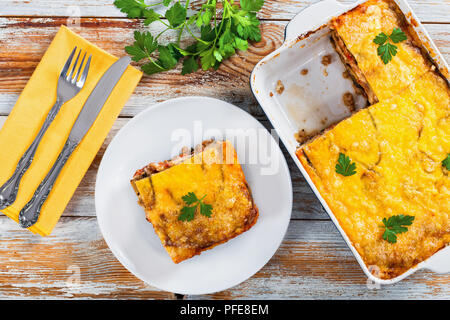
point(29, 114)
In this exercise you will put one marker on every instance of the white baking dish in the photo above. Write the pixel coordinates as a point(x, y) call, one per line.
point(314, 101)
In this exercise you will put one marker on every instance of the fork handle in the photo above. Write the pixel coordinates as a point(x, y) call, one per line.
point(30, 213)
point(9, 190)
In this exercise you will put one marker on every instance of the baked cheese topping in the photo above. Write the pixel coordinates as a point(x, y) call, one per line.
point(398, 146)
point(358, 29)
point(215, 173)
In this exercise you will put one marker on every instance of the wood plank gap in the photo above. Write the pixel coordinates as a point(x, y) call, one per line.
point(312, 219)
point(435, 22)
point(140, 19)
point(2, 216)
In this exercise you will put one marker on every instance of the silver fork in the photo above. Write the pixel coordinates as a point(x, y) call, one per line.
point(68, 86)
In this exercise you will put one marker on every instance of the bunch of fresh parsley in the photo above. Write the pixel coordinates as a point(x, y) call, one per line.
point(218, 40)
point(192, 203)
point(387, 50)
point(395, 225)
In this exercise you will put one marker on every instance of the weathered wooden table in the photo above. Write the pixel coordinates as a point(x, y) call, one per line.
point(75, 262)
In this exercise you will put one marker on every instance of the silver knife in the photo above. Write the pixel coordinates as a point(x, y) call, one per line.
point(30, 213)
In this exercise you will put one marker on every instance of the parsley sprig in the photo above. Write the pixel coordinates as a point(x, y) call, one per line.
point(387, 50)
point(218, 40)
point(446, 162)
point(396, 225)
point(192, 203)
point(138, 8)
point(345, 166)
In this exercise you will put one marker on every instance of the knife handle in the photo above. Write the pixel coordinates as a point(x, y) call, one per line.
point(30, 213)
point(9, 190)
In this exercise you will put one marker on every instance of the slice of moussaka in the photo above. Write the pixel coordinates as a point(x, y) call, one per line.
point(394, 153)
point(197, 200)
point(353, 36)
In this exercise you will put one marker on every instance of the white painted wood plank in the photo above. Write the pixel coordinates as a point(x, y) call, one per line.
point(43, 268)
point(427, 10)
point(24, 42)
point(82, 204)
point(312, 263)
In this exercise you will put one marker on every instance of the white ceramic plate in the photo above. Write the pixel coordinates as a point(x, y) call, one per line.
point(155, 135)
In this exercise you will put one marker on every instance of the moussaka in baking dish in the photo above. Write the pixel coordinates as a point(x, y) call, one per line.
point(384, 172)
point(197, 200)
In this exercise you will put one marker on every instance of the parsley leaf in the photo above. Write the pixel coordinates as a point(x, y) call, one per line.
point(192, 203)
point(344, 166)
point(208, 59)
point(252, 5)
point(381, 39)
point(187, 213)
point(240, 44)
point(386, 52)
point(144, 45)
point(226, 45)
point(220, 36)
point(176, 14)
point(446, 162)
point(206, 209)
point(166, 58)
point(133, 8)
point(190, 198)
point(398, 35)
point(247, 25)
point(385, 49)
point(396, 225)
point(189, 65)
point(150, 16)
point(138, 9)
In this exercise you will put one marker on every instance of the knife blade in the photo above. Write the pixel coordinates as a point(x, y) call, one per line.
point(92, 107)
point(97, 98)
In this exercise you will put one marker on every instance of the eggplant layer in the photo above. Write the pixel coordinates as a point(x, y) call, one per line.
point(352, 67)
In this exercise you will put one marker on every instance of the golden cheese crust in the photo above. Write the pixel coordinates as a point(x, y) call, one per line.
point(398, 146)
point(359, 27)
point(216, 173)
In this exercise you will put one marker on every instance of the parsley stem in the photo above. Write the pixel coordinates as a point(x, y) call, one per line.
point(169, 27)
point(159, 34)
point(195, 37)
point(162, 21)
point(179, 36)
point(180, 33)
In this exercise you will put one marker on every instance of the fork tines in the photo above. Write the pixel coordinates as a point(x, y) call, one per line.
point(77, 79)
